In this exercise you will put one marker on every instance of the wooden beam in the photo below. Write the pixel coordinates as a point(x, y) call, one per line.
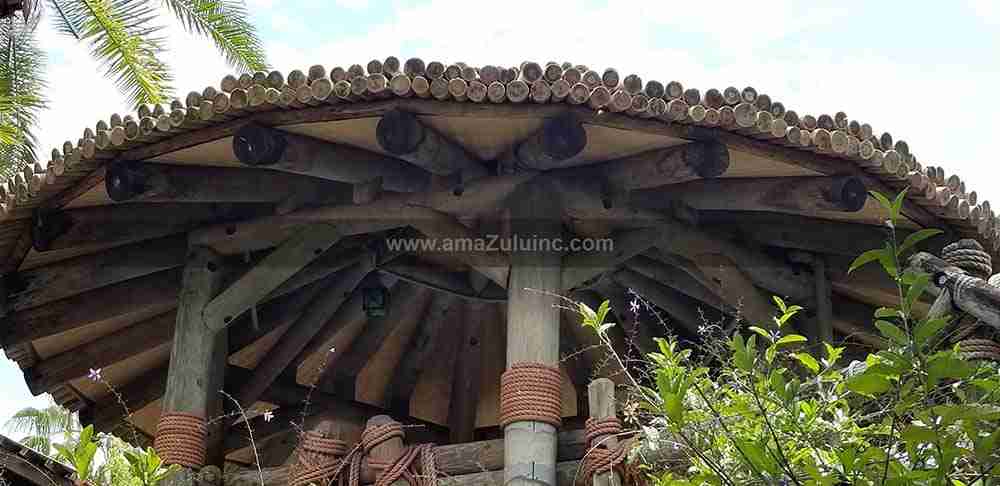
point(465, 385)
point(583, 268)
point(402, 134)
point(406, 305)
point(155, 182)
point(804, 233)
point(637, 336)
point(198, 355)
point(808, 196)
point(302, 332)
point(662, 297)
point(683, 276)
point(660, 167)
point(736, 287)
point(390, 211)
point(561, 138)
point(533, 329)
point(104, 225)
point(257, 145)
point(457, 463)
point(154, 293)
point(70, 277)
point(271, 272)
point(422, 350)
point(441, 279)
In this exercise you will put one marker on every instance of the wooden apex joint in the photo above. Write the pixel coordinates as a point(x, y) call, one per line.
point(256, 145)
point(46, 226)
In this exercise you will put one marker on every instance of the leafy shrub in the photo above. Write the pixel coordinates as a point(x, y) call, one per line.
point(755, 407)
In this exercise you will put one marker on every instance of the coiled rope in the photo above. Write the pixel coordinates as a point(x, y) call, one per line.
point(970, 256)
point(600, 457)
point(180, 439)
point(531, 392)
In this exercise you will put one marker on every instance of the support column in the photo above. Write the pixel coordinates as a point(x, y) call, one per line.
point(196, 373)
point(532, 328)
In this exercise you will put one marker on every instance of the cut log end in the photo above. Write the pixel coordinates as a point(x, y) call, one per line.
point(258, 145)
point(708, 159)
point(564, 137)
point(849, 193)
point(399, 132)
point(124, 181)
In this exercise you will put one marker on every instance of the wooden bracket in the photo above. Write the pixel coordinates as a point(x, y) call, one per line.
point(272, 271)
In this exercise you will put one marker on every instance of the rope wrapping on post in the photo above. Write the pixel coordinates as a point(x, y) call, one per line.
point(320, 459)
point(601, 458)
point(180, 439)
point(971, 337)
point(531, 392)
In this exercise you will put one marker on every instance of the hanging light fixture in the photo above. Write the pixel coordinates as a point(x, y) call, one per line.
point(374, 296)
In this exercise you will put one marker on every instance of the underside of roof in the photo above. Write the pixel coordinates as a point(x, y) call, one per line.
point(92, 278)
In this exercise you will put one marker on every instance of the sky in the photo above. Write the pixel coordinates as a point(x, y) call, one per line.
point(923, 71)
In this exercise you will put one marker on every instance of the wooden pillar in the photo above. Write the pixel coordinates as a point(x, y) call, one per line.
point(198, 356)
point(601, 395)
point(386, 452)
point(532, 327)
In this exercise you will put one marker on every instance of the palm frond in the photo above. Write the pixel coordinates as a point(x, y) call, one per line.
point(226, 23)
point(22, 67)
point(122, 36)
point(38, 443)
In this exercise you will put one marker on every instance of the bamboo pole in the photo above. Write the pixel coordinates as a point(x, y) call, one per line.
point(601, 396)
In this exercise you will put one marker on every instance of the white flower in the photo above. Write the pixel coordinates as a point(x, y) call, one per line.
point(95, 375)
point(333, 349)
point(268, 415)
point(634, 305)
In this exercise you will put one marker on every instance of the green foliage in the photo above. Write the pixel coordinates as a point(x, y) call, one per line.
point(225, 22)
point(147, 467)
point(758, 407)
point(42, 425)
point(80, 454)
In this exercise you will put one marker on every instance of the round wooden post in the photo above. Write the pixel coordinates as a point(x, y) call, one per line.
point(385, 454)
point(197, 358)
point(601, 395)
point(532, 328)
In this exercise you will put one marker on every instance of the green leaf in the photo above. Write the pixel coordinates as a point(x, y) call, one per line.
point(791, 339)
point(865, 258)
point(892, 332)
point(916, 237)
point(928, 328)
point(897, 204)
point(946, 365)
point(883, 312)
point(780, 303)
point(808, 361)
point(888, 261)
point(915, 435)
point(868, 384)
point(882, 200)
point(760, 331)
point(833, 353)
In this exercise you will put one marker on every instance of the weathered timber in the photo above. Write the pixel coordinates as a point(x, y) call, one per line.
point(198, 355)
point(298, 336)
point(153, 293)
point(102, 352)
point(422, 349)
point(406, 305)
point(736, 287)
point(795, 195)
point(402, 134)
point(970, 294)
point(561, 138)
point(465, 392)
point(460, 464)
point(823, 331)
point(103, 225)
point(662, 297)
point(389, 211)
point(257, 145)
point(687, 162)
point(804, 233)
point(601, 395)
point(441, 279)
point(681, 275)
point(154, 182)
point(276, 268)
point(637, 336)
point(581, 269)
point(70, 277)
point(533, 329)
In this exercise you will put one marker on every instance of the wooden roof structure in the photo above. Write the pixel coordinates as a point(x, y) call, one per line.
point(714, 200)
point(22, 466)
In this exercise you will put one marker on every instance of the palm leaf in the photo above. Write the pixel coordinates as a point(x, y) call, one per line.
point(22, 64)
point(226, 23)
point(123, 38)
